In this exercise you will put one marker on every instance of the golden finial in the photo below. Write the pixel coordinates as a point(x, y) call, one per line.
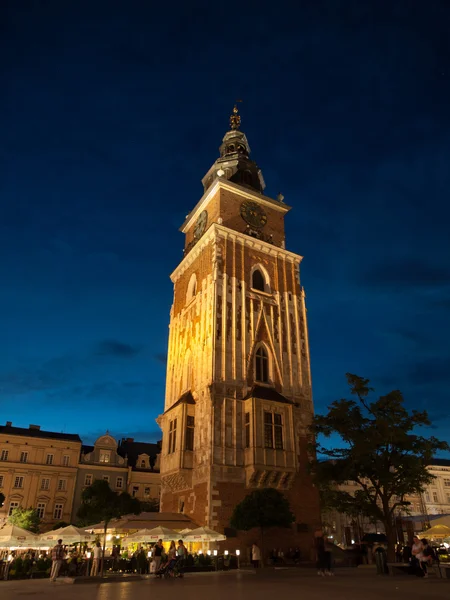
point(235, 119)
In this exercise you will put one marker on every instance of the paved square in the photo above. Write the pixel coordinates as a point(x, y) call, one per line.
point(302, 584)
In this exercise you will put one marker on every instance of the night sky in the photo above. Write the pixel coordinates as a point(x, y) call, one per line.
point(110, 115)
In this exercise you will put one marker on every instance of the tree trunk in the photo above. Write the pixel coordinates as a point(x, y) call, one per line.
point(104, 546)
point(391, 535)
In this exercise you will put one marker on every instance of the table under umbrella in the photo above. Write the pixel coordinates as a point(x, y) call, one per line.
point(12, 536)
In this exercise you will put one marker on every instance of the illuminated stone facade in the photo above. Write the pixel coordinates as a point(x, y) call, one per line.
point(238, 391)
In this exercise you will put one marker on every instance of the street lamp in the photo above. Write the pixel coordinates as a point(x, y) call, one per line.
point(88, 554)
point(238, 552)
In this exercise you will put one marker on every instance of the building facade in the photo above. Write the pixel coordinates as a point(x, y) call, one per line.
point(423, 509)
point(238, 391)
point(38, 469)
point(127, 466)
point(48, 471)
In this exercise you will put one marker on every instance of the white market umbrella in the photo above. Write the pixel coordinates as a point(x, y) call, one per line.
point(204, 534)
point(12, 536)
point(185, 531)
point(69, 535)
point(153, 535)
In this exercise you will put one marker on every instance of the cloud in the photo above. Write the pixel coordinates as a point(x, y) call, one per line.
point(405, 273)
point(117, 349)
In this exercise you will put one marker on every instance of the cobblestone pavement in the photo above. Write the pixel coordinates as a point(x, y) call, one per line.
point(292, 583)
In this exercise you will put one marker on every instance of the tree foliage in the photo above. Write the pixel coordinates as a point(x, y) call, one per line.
point(262, 508)
point(100, 503)
point(151, 505)
point(380, 451)
point(27, 518)
point(59, 525)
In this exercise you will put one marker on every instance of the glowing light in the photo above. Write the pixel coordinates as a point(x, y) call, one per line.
point(89, 554)
point(238, 552)
point(208, 552)
point(226, 552)
point(200, 551)
point(215, 552)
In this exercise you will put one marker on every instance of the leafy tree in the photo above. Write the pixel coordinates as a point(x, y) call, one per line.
point(27, 518)
point(100, 503)
point(380, 452)
point(263, 509)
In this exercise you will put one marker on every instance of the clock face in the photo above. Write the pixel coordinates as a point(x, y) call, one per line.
point(253, 214)
point(200, 225)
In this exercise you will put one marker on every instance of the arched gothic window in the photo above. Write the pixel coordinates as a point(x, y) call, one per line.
point(262, 365)
point(258, 280)
point(192, 288)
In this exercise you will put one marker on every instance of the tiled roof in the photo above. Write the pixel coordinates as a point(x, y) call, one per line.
point(37, 433)
point(186, 398)
point(267, 393)
point(132, 450)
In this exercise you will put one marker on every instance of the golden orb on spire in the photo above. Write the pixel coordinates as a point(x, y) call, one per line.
point(235, 118)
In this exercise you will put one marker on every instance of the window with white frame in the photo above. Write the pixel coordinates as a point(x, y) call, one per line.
point(4, 455)
point(427, 497)
point(105, 456)
point(435, 497)
point(45, 483)
point(62, 485)
point(24, 457)
point(119, 483)
point(105, 478)
point(88, 480)
point(143, 464)
point(66, 460)
point(447, 482)
point(49, 460)
point(58, 511)
point(146, 492)
point(135, 490)
point(12, 506)
point(262, 365)
point(273, 430)
point(18, 481)
point(40, 509)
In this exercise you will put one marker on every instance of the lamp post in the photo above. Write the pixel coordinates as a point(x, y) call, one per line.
point(238, 553)
point(88, 554)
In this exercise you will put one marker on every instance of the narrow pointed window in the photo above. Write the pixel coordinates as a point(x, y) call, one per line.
point(262, 365)
point(258, 280)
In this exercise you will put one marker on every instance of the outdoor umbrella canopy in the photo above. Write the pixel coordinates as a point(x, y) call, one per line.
point(69, 535)
point(204, 534)
point(437, 531)
point(185, 532)
point(153, 535)
point(12, 536)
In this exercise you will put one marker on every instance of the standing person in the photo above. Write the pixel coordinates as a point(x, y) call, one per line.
point(57, 560)
point(157, 554)
point(256, 556)
point(416, 556)
point(322, 554)
point(428, 555)
point(181, 553)
point(96, 561)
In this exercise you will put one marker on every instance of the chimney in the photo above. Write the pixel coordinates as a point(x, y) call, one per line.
point(35, 427)
point(8, 423)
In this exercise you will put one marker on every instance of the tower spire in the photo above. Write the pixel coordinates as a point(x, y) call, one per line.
point(235, 118)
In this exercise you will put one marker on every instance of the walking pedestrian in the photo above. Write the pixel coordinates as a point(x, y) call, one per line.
point(57, 560)
point(96, 561)
point(157, 554)
point(256, 556)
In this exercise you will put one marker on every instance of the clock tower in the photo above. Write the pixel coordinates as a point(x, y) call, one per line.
point(238, 391)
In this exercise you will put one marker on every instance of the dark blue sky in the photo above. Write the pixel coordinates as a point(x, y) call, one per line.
point(110, 114)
